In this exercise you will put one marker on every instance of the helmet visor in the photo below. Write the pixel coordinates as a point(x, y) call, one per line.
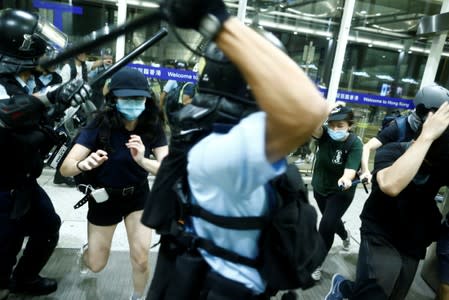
point(52, 35)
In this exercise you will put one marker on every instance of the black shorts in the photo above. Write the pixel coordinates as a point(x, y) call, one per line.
point(117, 207)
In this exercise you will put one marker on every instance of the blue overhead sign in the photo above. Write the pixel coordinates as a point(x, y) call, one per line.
point(59, 9)
point(370, 99)
point(166, 73)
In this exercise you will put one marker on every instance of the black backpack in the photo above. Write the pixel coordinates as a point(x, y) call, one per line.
point(290, 246)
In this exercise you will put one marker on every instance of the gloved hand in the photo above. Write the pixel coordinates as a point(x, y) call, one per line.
point(191, 13)
point(71, 93)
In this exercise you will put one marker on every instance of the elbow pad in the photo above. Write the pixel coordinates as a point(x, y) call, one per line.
point(21, 111)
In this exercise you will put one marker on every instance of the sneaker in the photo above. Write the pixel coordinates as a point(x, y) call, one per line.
point(347, 241)
point(84, 270)
point(316, 275)
point(334, 293)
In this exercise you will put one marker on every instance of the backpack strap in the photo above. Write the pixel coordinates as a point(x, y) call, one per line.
point(211, 248)
point(402, 127)
point(73, 70)
point(181, 92)
point(348, 143)
point(238, 223)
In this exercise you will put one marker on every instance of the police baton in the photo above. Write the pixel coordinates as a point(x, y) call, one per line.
point(104, 35)
point(130, 56)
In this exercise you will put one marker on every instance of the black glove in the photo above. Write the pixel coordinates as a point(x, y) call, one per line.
point(192, 13)
point(71, 93)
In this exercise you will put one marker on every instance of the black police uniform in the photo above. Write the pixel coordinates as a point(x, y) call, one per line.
point(25, 208)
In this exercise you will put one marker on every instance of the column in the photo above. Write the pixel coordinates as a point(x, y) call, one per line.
point(342, 42)
point(121, 18)
point(241, 13)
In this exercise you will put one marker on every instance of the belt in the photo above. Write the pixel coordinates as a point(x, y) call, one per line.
point(121, 192)
point(126, 191)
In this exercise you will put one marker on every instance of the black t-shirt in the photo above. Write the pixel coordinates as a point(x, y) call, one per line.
point(120, 170)
point(410, 221)
point(391, 133)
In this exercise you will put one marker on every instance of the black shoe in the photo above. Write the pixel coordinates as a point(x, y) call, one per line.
point(59, 179)
point(39, 286)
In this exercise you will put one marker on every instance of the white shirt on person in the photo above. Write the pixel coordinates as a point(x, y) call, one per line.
point(170, 85)
point(227, 174)
point(65, 71)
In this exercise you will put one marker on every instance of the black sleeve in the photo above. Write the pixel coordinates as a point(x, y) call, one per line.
point(21, 111)
point(387, 155)
point(388, 134)
point(159, 139)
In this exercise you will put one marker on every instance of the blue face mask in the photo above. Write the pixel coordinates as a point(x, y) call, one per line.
point(31, 85)
point(337, 135)
point(130, 109)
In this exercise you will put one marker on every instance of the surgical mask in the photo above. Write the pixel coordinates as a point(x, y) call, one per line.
point(130, 109)
point(337, 135)
point(415, 121)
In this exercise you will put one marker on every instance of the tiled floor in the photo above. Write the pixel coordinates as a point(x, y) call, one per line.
point(73, 235)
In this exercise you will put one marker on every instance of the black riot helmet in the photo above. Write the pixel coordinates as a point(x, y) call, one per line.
point(224, 96)
point(430, 98)
point(25, 38)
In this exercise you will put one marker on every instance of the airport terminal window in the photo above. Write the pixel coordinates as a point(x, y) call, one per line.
point(384, 56)
point(308, 31)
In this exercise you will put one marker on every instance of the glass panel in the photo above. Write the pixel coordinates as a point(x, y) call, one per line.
point(307, 29)
point(385, 60)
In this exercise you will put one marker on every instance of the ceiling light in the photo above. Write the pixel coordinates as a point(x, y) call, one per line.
point(410, 80)
point(363, 12)
point(385, 77)
point(361, 74)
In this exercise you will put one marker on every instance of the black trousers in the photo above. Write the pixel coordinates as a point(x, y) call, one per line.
point(332, 208)
point(40, 223)
point(382, 272)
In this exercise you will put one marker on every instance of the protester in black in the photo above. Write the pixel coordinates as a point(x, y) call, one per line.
point(400, 218)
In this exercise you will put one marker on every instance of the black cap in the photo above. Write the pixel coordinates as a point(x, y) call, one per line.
point(341, 113)
point(129, 82)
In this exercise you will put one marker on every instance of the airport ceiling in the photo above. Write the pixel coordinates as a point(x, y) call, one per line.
point(388, 20)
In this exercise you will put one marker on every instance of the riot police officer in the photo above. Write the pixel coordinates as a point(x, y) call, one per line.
point(25, 208)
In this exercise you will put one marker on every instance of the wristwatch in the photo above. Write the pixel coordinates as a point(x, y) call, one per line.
point(209, 26)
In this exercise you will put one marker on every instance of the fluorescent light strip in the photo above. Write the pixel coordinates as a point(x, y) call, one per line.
point(292, 28)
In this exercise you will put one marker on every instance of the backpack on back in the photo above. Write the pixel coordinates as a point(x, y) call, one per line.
point(173, 100)
point(401, 122)
point(290, 246)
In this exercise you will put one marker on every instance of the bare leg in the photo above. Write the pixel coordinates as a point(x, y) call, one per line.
point(99, 246)
point(139, 239)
